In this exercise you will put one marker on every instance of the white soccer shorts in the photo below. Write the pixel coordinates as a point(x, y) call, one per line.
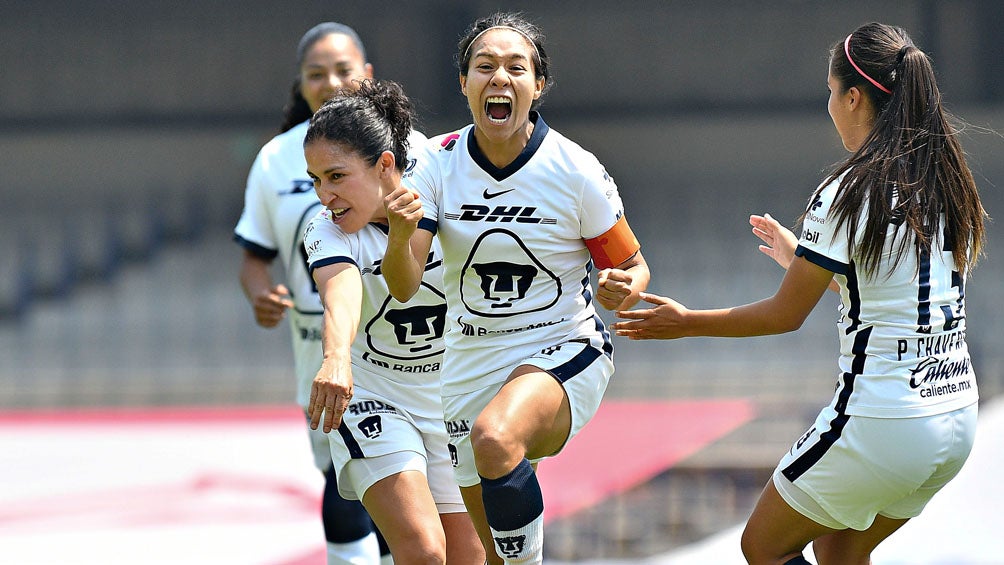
point(842, 475)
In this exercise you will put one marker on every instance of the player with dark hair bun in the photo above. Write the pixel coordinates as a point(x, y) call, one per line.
point(376, 393)
point(277, 201)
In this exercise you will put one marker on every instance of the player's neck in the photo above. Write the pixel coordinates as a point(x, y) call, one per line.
point(502, 152)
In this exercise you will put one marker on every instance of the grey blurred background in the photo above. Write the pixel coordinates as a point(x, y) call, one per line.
point(127, 130)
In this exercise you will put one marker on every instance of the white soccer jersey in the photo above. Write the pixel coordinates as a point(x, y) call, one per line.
point(398, 348)
point(278, 203)
point(903, 346)
point(516, 266)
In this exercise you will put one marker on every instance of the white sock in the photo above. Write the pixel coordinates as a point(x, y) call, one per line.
point(525, 545)
point(365, 551)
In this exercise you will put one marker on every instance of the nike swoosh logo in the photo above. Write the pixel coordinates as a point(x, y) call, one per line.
point(490, 195)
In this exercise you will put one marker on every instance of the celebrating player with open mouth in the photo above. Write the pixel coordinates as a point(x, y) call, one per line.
point(523, 214)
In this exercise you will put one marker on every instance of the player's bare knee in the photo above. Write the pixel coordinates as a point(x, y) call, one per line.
point(421, 550)
point(496, 451)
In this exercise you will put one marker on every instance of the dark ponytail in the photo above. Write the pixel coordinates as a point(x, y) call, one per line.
point(910, 168)
point(296, 110)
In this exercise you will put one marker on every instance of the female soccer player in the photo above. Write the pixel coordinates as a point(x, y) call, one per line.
point(523, 214)
point(378, 386)
point(898, 225)
point(279, 200)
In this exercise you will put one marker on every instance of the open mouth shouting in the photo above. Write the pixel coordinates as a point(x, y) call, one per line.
point(498, 109)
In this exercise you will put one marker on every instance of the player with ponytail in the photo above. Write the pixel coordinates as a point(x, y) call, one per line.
point(898, 226)
point(277, 201)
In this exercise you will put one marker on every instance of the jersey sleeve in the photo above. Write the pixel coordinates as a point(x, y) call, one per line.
point(326, 244)
point(254, 230)
point(423, 176)
point(603, 226)
point(822, 243)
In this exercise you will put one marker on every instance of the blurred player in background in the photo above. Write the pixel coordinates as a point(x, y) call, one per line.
point(523, 214)
point(278, 203)
point(378, 386)
point(899, 225)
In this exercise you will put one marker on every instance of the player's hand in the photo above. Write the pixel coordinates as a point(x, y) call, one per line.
point(667, 320)
point(330, 394)
point(404, 210)
point(270, 306)
point(613, 288)
point(779, 241)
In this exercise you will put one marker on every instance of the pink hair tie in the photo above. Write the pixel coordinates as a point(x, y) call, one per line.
point(847, 51)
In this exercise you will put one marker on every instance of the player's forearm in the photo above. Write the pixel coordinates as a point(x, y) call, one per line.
point(341, 323)
point(255, 276)
point(402, 273)
point(756, 319)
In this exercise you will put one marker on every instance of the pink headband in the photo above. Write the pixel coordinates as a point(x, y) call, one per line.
point(847, 51)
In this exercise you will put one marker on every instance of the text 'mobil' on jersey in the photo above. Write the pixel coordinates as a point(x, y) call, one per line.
point(614, 246)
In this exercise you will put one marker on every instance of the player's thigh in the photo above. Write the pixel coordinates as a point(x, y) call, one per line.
point(775, 529)
point(402, 507)
point(583, 369)
point(526, 418)
point(530, 414)
point(551, 396)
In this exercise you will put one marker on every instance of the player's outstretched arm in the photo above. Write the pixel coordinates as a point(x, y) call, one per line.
point(785, 311)
point(340, 287)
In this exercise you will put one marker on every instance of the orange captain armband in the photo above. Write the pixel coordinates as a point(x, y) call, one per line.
point(614, 246)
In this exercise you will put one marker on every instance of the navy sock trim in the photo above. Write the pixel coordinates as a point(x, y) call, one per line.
point(513, 500)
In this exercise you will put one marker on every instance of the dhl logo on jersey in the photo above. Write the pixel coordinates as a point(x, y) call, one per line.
point(482, 213)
